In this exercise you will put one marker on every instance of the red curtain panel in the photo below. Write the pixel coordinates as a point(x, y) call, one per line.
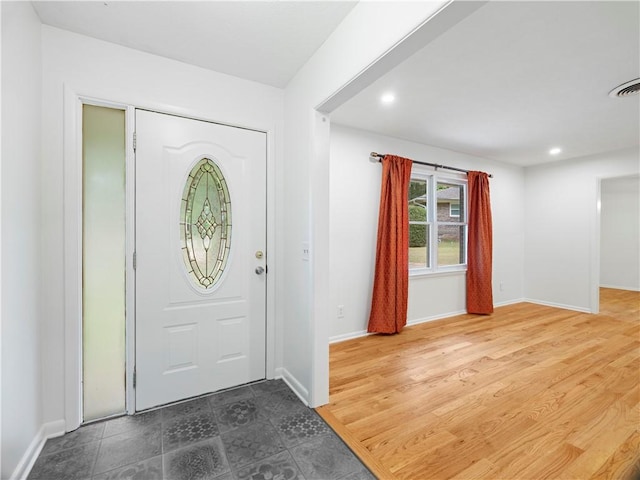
point(480, 246)
point(391, 281)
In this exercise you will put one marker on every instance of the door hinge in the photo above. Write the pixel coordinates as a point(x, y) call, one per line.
point(135, 377)
point(135, 260)
point(135, 140)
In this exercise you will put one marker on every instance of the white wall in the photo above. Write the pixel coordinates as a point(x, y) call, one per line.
point(355, 198)
point(349, 51)
point(620, 233)
point(21, 259)
point(107, 71)
point(561, 231)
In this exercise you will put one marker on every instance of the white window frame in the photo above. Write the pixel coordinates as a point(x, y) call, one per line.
point(451, 214)
point(432, 179)
point(428, 178)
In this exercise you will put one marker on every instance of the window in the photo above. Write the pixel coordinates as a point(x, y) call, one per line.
point(419, 224)
point(437, 223)
point(454, 209)
point(205, 224)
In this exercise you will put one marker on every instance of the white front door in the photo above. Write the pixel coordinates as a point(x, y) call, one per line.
point(200, 255)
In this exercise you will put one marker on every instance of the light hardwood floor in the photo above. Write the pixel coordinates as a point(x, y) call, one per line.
point(530, 392)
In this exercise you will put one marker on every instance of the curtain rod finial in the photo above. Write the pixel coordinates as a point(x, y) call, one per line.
point(375, 157)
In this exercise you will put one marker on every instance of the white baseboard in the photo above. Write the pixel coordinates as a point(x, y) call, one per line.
point(618, 287)
point(47, 430)
point(509, 302)
point(363, 333)
point(558, 305)
point(54, 429)
point(348, 336)
point(295, 385)
point(433, 318)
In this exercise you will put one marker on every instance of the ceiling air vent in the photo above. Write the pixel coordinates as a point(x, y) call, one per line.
point(626, 89)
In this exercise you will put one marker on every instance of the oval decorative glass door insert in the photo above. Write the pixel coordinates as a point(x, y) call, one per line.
point(205, 224)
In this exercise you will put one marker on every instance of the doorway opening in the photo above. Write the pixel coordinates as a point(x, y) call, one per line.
point(619, 233)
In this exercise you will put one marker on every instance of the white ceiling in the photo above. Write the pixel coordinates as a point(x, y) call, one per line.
point(513, 80)
point(508, 82)
point(266, 42)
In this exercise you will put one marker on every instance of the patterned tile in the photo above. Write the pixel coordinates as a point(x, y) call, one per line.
point(199, 405)
point(250, 444)
point(238, 414)
point(129, 447)
point(279, 467)
point(268, 386)
point(81, 436)
point(145, 470)
point(229, 396)
point(362, 474)
point(70, 464)
point(325, 458)
point(224, 476)
point(239, 434)
point(300, 427)
point(204, 460)
point(183, 431)
point(279, 402)
point(130, 423)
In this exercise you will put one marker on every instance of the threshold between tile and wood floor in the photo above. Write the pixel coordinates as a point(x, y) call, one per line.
point(255, 432)
point(529, 392)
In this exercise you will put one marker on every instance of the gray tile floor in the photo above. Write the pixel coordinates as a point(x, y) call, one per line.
point(255, 432)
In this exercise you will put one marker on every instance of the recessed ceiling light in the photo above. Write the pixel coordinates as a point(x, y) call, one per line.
point(555, 151)
point(387, 98)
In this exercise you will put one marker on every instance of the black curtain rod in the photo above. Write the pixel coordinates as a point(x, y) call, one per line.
point(380, 156)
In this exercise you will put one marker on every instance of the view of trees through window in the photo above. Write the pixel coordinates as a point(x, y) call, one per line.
point(437, 223)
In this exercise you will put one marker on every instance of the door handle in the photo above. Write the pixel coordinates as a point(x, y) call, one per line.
point(259, 270)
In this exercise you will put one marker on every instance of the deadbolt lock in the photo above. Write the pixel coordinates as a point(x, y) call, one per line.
point(259, 254)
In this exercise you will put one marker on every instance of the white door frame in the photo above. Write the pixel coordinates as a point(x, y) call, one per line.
point(596, 232)
point(72, 191)
point(73, 251)
point(594, 293)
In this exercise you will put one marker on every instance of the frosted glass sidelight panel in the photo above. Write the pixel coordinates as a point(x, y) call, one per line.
point(205, 224)
point(103, 261)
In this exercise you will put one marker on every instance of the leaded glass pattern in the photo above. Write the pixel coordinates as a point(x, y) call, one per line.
point(205, 224)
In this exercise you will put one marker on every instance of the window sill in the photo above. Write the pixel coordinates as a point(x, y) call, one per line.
point(440, 273)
